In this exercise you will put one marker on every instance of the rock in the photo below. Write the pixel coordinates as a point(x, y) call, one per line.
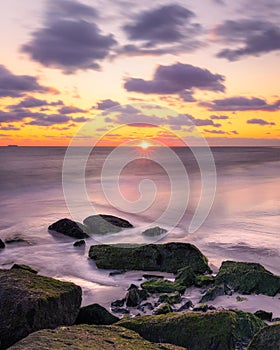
point(154, 231)
point(247, 278)
point(135, 296)
point(168, 257)
point(217, 330)
point(185, 276)
point(2, 244)
point(119, 310)
point(29, 302)
point(132, 286)
point(163, 286)
point(95, 314)
point(275, 319)
point(79, 243)
point(144, 306)
point(118, 303)
point(267, 338)
point(85, 337)
point(213, 293)
point(200, 307)
point(118, 272)
point(171, 298)
point(148, 276)
point(203, 280)
point(187, 304)
point(162, 309)
point(17, 239)
point(68, 228)
point(102, 224)
point(23, 267)
point(264, 315)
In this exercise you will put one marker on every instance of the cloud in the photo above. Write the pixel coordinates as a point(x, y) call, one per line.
point(69, 41)
point(12, 85)
point(9, 127)
point(234, 132)
point(239, 103)
point(70, 110)
point(221, 132)
point(175, 79)
point(261, 122)
point(254, 38)
point(106, 104)
point(80, 119)
point(164, 29)
point(32, 102)
point(219, 117)
point(47, 120)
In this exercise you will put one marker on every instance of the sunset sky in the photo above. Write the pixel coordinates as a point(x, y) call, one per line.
point(211, 63)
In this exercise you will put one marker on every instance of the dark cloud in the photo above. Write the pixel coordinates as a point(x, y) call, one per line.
point(106, 104)
point(187, 96)
point(221, 132)
point(240, 103)
point(219, 117)
point(80, 119)
point(47, 120)
point(161, 30)
point(69, 40)
point(9, 127)
point(12, 85)
point(176, 79)
point(32, 102)
point(70, 110)
point(234, 132)
point(261, 122)
point(254, 37)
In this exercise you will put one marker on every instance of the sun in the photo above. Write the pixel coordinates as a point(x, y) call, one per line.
point(144, 144)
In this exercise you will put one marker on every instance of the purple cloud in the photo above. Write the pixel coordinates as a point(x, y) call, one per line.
point(175, 79)
point(8, 127)
point(47, 120)
point(254, 38)
point(240, 103)
point(12, 85)
point(221, 132)
point(261, 122)
point(32, 102)
point(68, 40)
point(106, 104)
point(219, 117)
point(70, 110)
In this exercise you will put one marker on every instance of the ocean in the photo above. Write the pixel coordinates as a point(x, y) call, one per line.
point(241, 224)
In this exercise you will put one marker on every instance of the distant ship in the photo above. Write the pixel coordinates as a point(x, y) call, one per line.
point(12, 146)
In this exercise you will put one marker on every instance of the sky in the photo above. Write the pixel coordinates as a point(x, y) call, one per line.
point(111, 71)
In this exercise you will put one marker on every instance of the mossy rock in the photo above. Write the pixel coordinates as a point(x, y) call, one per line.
point(169, 257)
point(23, 267)
point(162, 286)
point(247, 278)
point(95, 314)
point(204, 280)
point(154, 231)
point(171, 298)
point(69, 227)
point(268, 338)
point(185, 276)
point(102, 224)
point(162, 309)
point(213, 293)
point(135, 296)
point(219, 330)
point(84, 337)
point(29, 302)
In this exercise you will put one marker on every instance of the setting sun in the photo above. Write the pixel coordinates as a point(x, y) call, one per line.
point(144, 144)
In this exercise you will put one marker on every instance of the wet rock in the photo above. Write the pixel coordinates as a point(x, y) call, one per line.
point(247, 278)
point(29, 302)
point(102, 224)
point(17, 240)
point(203, 280)
point(119, 310)
point(2, 244)
point(132, 286)
point(68, 228)
point(268, 338)
point(118, 272)
point(219, 330)
point(145, 306)
point(264, 315)
point(169, 257)
point(171, 298)
point(185, 276)
point(148, 276)
point(154, 231)
point(200, 308)
point(23, 267)
point(85, 337)
point(118, 303)
point(213, 293)
point(162, 309)
point(135, 296)
point(163, 286)
point(80, 243)
point(95, 314)
point(187, 304)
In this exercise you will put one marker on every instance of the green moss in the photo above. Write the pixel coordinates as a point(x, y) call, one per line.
point(203, 280)
point(23, 267)
point(185, 276)
point(162, 286)
point(247, 325)
point(240, 299)
point(88, 338)
point(171, 298)
point(247, 278)
point(267, 338)
point(162, 309)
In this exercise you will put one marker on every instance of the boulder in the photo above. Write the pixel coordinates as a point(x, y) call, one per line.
point(2, 244)
point(29, 302)
point(135, 296)
point(219, 330)
point(154, 231)
point(102, 224)
point(162, 309)
point(169, 257)
point(85, 337)
point(264, 315)
point(247, 278)
point(23, 267)
point(203, 280)
point(213, 293)
point(95, 314)
point(268, 338)
point(79, 243)
point(68, 228)
point(185, 276)
point(163, 286)
point(118, 303)
point(171, 298)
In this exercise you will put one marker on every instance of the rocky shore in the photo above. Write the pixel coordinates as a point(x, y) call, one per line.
point(39, 312)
